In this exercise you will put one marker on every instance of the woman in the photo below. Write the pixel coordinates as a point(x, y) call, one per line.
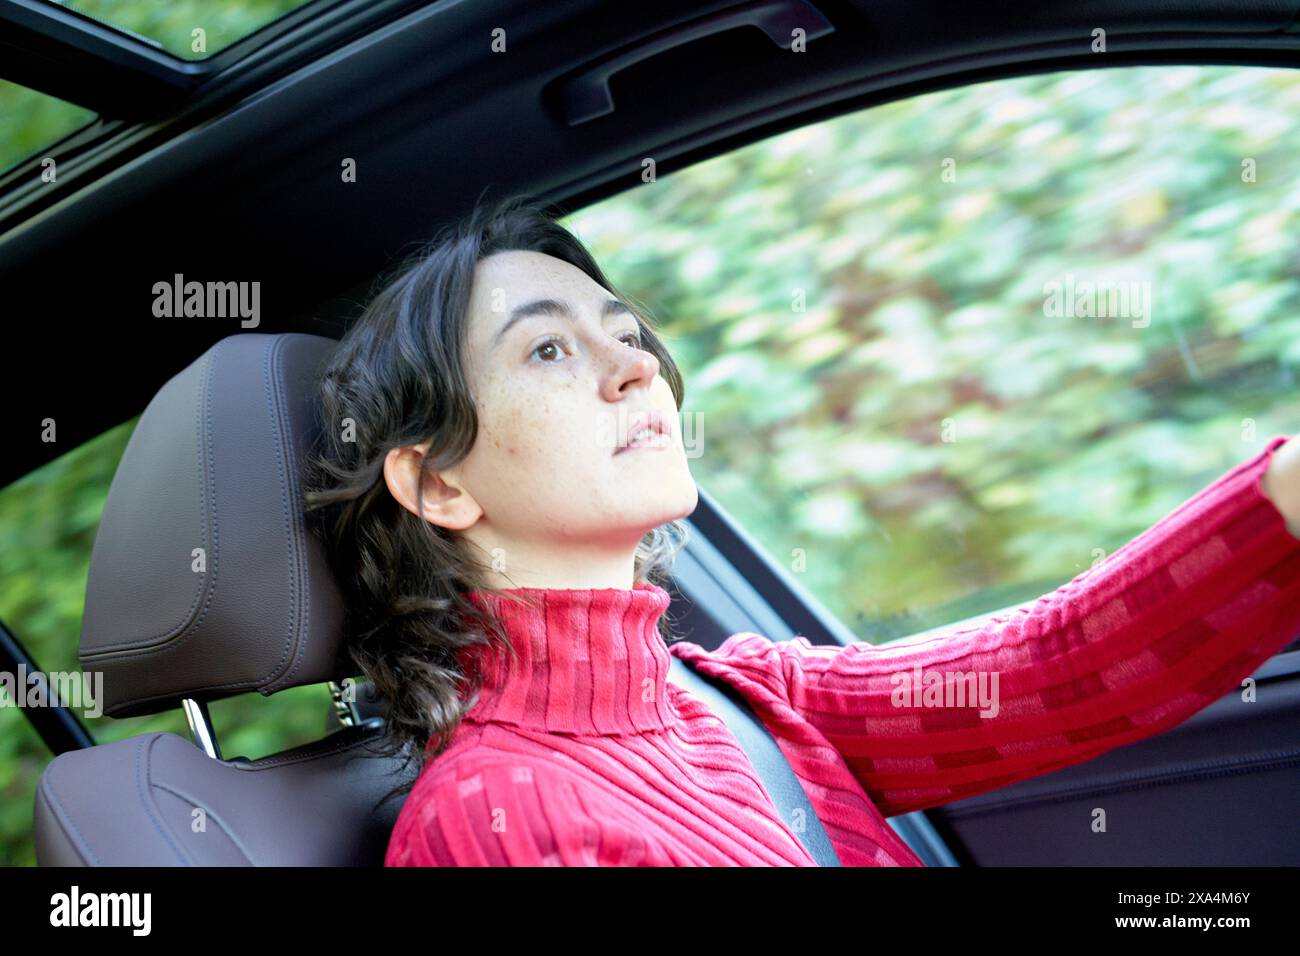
point(503, 479)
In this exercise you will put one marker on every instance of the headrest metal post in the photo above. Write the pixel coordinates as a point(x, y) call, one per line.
point(345, 710)
point(201, 729)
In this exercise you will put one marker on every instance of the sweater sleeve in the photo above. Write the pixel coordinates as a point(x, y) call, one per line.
point(1160, 629)
point(525, 813)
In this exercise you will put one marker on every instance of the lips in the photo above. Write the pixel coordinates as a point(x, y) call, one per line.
point(653, 420)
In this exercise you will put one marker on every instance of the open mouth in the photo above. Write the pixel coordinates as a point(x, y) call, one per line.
point(647, 430)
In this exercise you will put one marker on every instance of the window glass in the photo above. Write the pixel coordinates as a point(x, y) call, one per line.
point(190, 29)
point(31, 121)
point(894, 395)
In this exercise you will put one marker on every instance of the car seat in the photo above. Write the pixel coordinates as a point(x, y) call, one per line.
point(205, 583)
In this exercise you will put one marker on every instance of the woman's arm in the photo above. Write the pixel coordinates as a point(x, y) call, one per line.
point(1160, 629)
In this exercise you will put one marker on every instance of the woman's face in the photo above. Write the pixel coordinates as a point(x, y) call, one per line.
point(557, 397)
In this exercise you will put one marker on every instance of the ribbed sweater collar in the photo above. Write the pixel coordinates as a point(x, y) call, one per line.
point(590, 661)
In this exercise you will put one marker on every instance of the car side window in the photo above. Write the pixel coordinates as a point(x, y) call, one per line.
point(944, 354)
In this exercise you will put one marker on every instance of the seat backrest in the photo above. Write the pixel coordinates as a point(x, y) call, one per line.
point(158, 800)
point(205, 582)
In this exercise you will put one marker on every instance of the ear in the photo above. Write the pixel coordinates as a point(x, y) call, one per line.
point(445, 503)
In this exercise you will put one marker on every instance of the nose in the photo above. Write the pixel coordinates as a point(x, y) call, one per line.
point(629, 367)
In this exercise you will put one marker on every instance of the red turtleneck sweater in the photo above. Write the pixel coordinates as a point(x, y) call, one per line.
point(585, 754)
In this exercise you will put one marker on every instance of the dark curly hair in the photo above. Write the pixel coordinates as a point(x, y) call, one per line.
point(397, 378)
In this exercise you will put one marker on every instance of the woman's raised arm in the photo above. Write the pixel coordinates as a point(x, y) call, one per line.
point(1161, 628)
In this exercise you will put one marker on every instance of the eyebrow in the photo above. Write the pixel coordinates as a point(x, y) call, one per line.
point(555, 307)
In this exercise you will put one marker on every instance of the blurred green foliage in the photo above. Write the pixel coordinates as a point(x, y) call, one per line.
point(171, 23)
point(839, 308)
point(824, 425)
point(31, 121)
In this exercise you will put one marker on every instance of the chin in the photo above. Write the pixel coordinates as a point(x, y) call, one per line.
point(681, 505)
point(692, 501)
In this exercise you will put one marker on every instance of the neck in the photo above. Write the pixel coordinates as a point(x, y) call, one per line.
point(590, 661)
point(568, 564)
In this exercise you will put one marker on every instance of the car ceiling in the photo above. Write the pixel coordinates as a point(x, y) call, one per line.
point(251, 190)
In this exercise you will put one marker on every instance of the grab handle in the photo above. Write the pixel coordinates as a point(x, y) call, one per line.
point(587, 96)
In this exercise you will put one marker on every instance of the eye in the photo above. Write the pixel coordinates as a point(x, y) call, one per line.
point(553, 341)
point(632, 338)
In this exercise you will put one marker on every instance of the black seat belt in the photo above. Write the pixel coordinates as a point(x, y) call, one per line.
point(764, 753)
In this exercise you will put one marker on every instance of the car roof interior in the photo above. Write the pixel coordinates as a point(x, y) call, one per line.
point(234, 173)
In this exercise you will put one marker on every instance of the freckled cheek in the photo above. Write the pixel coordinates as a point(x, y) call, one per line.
point(507, 420)
point(516, 440)
point(526, 430)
